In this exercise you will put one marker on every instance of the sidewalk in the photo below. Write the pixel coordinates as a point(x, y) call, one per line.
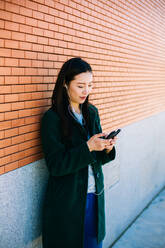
point(148, 230)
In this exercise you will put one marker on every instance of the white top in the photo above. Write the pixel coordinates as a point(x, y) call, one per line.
point(91, 179)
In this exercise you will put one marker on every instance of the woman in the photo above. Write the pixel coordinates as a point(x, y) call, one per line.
point(73, 213)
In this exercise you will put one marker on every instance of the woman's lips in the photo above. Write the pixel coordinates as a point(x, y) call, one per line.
point(83, 97)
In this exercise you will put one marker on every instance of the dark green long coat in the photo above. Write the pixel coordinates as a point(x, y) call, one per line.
point(65, 199)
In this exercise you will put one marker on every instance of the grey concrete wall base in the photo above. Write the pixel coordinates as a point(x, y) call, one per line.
point(131, 181)
point(21, 197)
point(141, 173)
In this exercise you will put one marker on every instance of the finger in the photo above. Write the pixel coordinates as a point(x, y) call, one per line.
point(112, 143)
point(99, 135)
point(106, 134)
point(109, 147)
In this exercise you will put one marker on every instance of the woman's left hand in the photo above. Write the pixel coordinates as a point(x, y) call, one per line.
point(112, 142)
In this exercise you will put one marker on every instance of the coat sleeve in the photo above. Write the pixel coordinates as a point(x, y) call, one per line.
point(105, 157)
point(59, 160)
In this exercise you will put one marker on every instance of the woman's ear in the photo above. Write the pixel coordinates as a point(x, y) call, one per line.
point(65, 86)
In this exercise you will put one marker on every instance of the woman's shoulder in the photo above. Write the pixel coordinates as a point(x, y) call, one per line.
point(93, 109)
point(50, 114)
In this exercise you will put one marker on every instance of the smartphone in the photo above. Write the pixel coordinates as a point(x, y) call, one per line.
point(113, 134)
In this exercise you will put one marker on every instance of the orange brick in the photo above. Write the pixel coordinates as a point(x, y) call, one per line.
point(51, 4)
point(37, 47)
point(5, 143)
point(42, 40)
point(48, 33)
point(26, 29)
point(25, 80)
point(11, 132)
point(11, 115)
point(18, 18)
point(36, 111)
point(17, 54)
point(11, 149)
point(2, 116)
point(25, 96)
point(5, 34)
point(48, 64)
point(48, 49)
point(31, 22)
point(25, 161)
point(31, 135)
point(30, 55)
point(11, 26)
point(17, 156)
point(12, 7)
point(24, 112)
point(2, 24)
point(5, 71)
point(24, 145)
point(31, 5)
point(38, 15)
point(32, 119)
point(5, 125)
point(5, 107)
point(49, 18)
point(11, 98)
point(17, 71)
point(28, 144)
point(2, 98)
point(43, 8)
point(26, 11)
point(11, 80)
point(38, 31)
point(17, 105)
point(5, 15)
point(11, 166)
point(2, 170)
point(53, 27)
point(31, 38)
point(17, 139)
point(25, 62)
point(32, 151)
point(2, 80)
point(5, 52)
point(2, 135)
point(17, 88)
point(11, 62)
point(25, 46)
point(37, 63)
point(18, 122)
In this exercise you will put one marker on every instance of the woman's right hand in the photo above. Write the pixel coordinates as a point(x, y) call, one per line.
point(95, 143)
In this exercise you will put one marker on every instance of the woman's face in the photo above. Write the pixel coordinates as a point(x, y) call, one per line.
point(80, 88)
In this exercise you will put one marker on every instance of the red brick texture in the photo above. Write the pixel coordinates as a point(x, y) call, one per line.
point(123, 40)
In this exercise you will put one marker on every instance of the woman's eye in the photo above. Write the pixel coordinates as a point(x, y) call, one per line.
point(80, 87)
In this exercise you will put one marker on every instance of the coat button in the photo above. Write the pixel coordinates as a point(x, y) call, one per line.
point(98, 174)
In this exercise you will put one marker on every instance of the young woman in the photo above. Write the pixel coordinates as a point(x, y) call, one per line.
point(73, 212)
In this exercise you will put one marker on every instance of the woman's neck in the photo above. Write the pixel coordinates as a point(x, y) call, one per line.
point(76, 108)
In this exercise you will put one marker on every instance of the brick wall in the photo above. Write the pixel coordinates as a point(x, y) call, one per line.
point(123, 40)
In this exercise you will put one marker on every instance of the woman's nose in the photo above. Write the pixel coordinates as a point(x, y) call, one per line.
point(86, 91)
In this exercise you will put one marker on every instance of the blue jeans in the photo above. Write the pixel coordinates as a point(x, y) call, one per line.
point(90, 232)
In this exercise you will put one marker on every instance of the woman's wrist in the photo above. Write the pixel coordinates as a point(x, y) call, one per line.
point(90, 148)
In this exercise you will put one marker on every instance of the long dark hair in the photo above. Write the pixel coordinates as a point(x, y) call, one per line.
point(60, 98)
